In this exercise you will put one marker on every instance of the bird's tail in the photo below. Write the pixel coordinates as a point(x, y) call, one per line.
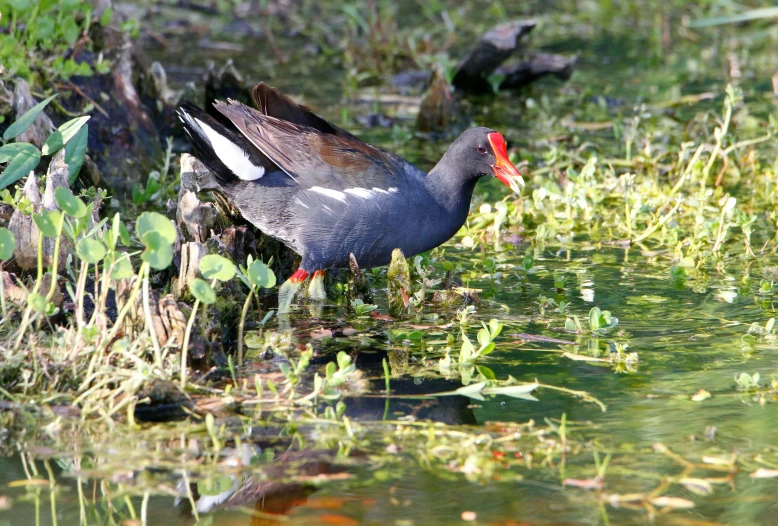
point(227, 153)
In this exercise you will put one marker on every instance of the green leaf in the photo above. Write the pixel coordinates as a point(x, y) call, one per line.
point(214, 266)
point(467, 350)
point(26, 120)
point(46, 222)
point(486, 372)
point(483, 337)
point(21, 165)
point(344, 360)
point(203, 291)
point(594, 318)
point(159, 253)
point(7, 244)
point(124, 235)
point(90, 250)
point(261, 275)
point(75, 150)
point(489, 349)
point(122, 267)
point(63, 134)
point(495, 327)
point(70, 204)
point(36, 302)
point(9, 151)
point(154, 222)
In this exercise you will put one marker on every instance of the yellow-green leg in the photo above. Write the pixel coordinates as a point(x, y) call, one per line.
point(316, 286)
point(288, 290)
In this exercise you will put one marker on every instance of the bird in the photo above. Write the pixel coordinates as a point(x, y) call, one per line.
point(326, 194)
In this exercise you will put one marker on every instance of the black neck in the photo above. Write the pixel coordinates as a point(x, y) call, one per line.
point(451, 192)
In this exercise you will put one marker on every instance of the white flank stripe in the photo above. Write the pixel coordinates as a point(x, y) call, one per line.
point(335, 194)
point(380, 190)
point(392, 190)
point(232, 155)
point(364, 193)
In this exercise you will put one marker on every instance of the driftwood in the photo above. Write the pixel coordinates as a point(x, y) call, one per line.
point(25, 230)
point(493, 49)
point(358, 285)
point(440, 113)
point(191, 254)
point(539, 65)
point(439, 110)
point(42, 127)
point(168, 320)
point(398, 285)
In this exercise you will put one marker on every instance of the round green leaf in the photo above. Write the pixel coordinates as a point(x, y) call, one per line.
point(261, 275)
point(159, 252)
point(90, 250)
point(7, 244)
point(122, 268)
point(70, 204)
point(46, 222)
point(36, 302)
point(214, 266)
point(153, 222)
point(203, 291)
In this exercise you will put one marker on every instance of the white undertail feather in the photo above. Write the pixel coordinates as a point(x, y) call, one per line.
point(230, 154)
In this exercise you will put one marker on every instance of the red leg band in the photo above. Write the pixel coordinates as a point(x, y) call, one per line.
point(299, 276)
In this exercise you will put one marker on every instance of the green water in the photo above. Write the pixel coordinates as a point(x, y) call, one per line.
point(688, 333)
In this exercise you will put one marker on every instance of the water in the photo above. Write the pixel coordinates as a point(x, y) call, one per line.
point(688, 336)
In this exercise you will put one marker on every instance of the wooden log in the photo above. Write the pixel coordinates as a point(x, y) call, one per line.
point(42, 127)
point(492, 49)
point(166, 316)
point(191, 254)
point(398, 285)
point(539, 65)
point(24, 229)
point(440, 112)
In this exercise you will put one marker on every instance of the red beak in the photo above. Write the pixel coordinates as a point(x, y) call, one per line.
point(503, 168)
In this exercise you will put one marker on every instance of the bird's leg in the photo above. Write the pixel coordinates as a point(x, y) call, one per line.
point(316, 286)
point(289, 289)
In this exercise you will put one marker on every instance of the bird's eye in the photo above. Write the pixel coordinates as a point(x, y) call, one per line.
point(480, 148)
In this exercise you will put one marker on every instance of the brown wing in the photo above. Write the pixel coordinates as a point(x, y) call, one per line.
point(310, 156)
point(273, 103)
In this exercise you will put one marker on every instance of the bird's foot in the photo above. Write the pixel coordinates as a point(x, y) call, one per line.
point(288, 289)
point(316, 287)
